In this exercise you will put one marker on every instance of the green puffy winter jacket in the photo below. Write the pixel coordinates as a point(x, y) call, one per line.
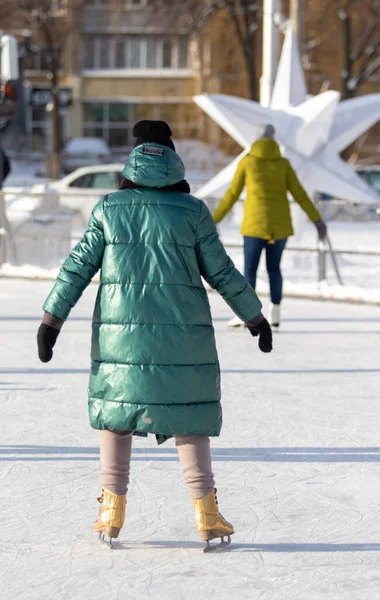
point(154, 362)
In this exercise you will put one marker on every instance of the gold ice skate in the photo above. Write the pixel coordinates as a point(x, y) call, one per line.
point(210, 523)
point(111, 515)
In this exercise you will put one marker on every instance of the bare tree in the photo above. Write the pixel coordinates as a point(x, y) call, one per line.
point(246, 16)
point(361, 41)
point(51, 23)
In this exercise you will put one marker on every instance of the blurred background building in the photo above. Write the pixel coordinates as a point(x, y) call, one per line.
point(104, 64)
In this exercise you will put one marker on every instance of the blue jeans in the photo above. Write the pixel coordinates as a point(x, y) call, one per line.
point(253, 248)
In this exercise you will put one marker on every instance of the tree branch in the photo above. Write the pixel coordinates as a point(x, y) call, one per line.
point(340, 11)
point(371, 50)
point(205, 15)
point(364, 75)
point(230, 6)
point(245, 11)
point(363, 42)
point(354, 83)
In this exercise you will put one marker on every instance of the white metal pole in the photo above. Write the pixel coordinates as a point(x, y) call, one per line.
point(270, 50)
point(8, 70)
point(296, 16)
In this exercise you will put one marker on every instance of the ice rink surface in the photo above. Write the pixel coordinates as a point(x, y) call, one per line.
point(297, 467)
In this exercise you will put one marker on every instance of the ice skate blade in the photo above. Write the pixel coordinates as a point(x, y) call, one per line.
point(235, 323)
point(217, 547)
point(107, 543)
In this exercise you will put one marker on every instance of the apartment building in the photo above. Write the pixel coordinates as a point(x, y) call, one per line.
point(132, 67)
point(123, 62)
point(119, 64)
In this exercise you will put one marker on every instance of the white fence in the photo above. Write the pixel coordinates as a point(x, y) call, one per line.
point(44, 237)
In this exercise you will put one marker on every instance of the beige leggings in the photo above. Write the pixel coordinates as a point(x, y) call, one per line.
point(194, 454)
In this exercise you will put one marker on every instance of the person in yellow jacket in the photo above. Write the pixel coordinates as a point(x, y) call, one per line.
point(267, 223)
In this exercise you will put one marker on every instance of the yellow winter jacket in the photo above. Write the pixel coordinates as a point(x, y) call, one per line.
point(268, 177)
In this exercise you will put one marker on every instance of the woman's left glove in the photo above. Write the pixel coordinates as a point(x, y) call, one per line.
point(47, 336)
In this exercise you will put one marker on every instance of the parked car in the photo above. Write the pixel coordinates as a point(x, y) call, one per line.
point(82, 189)
point(371, 174)
point(83, 152)
point(79, 190)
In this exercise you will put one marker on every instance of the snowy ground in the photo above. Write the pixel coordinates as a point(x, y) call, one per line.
point(46, 250)
point(296, 467)
point(360, 273)
point(39, 248)
point(26, 173)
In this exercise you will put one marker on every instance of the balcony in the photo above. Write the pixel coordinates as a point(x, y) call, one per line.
point(114, 20)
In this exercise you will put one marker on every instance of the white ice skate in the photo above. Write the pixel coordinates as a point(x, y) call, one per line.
point(274, 315)
point(235, 322)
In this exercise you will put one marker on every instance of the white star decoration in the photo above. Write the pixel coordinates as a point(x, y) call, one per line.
point(312, 133)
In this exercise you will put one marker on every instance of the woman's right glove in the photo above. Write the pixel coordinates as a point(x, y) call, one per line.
point(47, 336)
point(264, 331)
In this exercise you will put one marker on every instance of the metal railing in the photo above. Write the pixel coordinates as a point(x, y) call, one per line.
point(322, 252)
point(46, 237)
point(48, 251)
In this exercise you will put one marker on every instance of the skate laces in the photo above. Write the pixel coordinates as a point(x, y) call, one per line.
point(217, 504)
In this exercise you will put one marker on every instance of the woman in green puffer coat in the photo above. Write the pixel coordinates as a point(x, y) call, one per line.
point(154, 363)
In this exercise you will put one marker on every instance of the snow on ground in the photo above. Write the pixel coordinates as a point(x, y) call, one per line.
point(297, 467)
point(360, 273)
point(26, 172)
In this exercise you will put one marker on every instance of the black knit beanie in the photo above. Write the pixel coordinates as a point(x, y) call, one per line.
point(153, 131)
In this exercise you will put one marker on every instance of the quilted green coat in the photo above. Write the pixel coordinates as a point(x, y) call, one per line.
point(154, 363)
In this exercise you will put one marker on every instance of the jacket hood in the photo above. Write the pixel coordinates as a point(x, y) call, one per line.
point(154, 165)
point(266, 149)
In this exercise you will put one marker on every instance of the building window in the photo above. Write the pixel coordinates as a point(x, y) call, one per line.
point(59, 5)
point(153, 54)
point(135, 46)
point(99, 3)
point(105, 52)
point(89, 53)
point(39, 123)
point(121, 57)
point(167, 54)
point(128, 4)
point(183, 53)
point(114, 121)
point(136, 3)
point(40, 60)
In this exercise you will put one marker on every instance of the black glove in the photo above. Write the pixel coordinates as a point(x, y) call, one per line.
point(46, 338)
point(264, 331)
point(321, 228)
